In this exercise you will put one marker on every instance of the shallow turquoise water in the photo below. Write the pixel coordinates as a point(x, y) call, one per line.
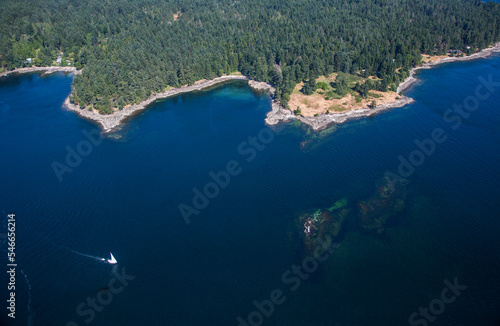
point(124, 197)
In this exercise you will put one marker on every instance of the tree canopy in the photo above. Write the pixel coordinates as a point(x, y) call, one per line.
point(132, 48)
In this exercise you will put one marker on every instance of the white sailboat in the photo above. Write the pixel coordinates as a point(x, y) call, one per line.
point(112, 260)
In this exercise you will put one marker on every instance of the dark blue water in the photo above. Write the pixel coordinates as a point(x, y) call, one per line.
point(124, 197)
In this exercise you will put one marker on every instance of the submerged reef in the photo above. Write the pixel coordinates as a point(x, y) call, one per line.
point(314, 138)
point(320, 227)
point(387, 201)
point(322, 223)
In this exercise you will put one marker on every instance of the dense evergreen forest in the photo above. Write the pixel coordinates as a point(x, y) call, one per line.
point(132, 48)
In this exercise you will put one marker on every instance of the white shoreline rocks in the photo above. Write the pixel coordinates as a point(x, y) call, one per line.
point(48, 70)
point(111, 121)
point(322, 121)
point(342, 117)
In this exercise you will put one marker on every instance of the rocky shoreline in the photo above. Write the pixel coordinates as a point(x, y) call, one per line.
point(276, 115)
point(48, 70)
point(111, 121)
point(411, 79)
point(279, 114)
point(324, 120)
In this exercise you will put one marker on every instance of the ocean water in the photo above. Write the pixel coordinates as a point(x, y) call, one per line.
point(239, 250)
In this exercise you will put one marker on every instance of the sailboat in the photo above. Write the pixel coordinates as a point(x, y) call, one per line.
point(112, 260)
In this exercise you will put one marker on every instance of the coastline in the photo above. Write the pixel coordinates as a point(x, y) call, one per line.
point(428, 65)
point(111, 121)
point(48, 70)
point(324, 120)
point(276, 115)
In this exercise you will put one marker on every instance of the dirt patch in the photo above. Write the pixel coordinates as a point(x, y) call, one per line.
point(199, 82)
point(432, 58)
point(317, 103)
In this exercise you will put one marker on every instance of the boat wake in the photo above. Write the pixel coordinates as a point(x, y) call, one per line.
point(84, 255)
point(112, 260)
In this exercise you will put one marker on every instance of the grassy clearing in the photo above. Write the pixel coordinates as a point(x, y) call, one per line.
point(356, 95)
point(351, 79)
point(326, 99)
point(337, 108)
point(326, 85)
point(373, 95)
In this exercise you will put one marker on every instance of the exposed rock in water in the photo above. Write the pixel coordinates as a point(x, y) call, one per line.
point(261, 86)
point(278, 114)
point(321, 227)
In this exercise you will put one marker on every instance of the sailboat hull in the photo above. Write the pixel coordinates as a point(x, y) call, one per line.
point(112, 260)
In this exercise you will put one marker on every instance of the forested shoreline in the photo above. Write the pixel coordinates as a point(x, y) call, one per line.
point(132, 49)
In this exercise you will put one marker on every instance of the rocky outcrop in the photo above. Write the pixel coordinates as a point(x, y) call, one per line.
point(48, 70)
point(261, 86)
point(278, 114)
point(322, 121)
